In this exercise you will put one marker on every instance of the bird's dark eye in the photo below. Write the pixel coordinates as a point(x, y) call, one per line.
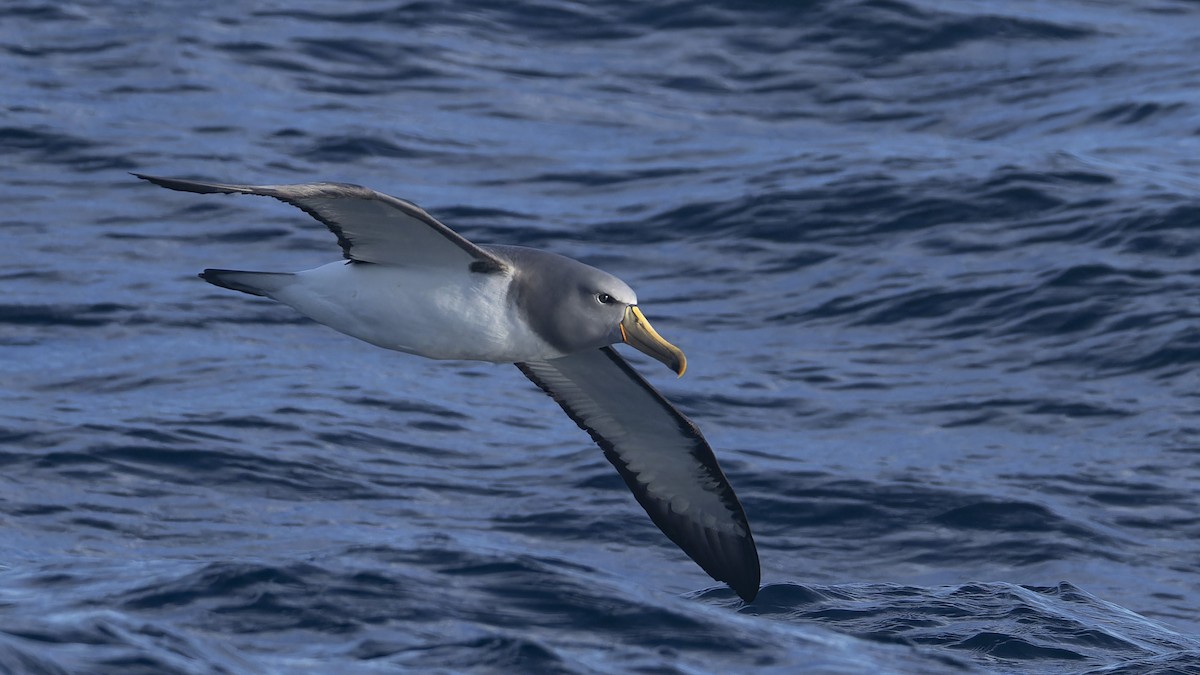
point(604, 298)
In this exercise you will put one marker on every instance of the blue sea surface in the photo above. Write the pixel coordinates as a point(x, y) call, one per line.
point(936, 267)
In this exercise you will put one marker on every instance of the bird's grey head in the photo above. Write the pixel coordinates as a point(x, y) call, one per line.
point(575, 307)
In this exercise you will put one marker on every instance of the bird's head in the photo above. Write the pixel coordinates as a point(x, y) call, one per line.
point(592, 309)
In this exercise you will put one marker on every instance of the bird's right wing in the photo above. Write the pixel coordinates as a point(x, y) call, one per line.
point(370, 226)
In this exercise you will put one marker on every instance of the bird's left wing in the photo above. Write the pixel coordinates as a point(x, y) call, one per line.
point(370, 226)
point(661, 455)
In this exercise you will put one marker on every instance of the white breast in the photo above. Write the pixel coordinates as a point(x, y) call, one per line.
point(437, 313)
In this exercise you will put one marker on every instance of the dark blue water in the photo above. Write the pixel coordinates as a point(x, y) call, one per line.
point(935, 269)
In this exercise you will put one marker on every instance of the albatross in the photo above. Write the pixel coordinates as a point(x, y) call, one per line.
point(411, 284)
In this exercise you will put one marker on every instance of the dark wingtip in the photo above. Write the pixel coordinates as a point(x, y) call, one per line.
point(746, 589)
point(737, 565)
point(750, 588)
point(157, 180)
point(183, 185)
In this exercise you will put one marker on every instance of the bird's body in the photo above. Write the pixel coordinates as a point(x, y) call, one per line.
point(413, 285)
point(434, 312)
point(459, 315)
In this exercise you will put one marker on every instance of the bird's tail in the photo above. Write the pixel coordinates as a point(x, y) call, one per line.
point(255, 283)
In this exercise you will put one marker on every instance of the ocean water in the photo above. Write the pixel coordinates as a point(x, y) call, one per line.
point(934, 265)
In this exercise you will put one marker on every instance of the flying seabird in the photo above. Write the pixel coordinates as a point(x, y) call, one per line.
point(411, 284)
